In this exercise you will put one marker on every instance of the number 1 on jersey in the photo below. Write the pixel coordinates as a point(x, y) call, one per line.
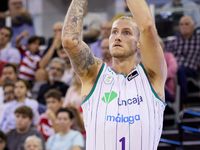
point(123, 143)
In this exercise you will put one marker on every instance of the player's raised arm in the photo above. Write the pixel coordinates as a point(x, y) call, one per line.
point(151, 52)
point(83, 61)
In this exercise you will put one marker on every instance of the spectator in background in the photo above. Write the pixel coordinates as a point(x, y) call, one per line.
point(66, 139)
point(21, 20)
point(9, 74)
point(91, 26)
point(3, 139)
point(33, 143)
point(193, 12)
point(172, 68)
point(8, 92)
point(73, 95)
point(41, 77)
point(20, 90)
point(78, 118)
point(67, 77)
point(54, 42)
point(47, 124)
point(186, 51)
point(106, 56)
point(16, 137)
point(68, 73)
point(56, 70)
point(30, 56)
point(9, 54)
point(105, 33)
point(8, 96)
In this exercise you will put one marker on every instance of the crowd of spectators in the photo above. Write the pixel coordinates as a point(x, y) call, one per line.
point(40, 95)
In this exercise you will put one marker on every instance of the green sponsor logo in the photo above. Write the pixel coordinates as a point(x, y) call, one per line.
point(108, 97)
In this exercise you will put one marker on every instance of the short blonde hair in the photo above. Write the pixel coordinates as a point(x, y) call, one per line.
point(131, 19)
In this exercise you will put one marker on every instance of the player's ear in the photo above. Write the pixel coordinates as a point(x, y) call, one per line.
point(138, 46)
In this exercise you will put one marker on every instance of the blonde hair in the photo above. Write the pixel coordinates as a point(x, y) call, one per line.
point(131, 19)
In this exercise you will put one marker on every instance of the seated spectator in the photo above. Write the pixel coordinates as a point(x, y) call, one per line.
point(56, 71)
point(172, 68)
point(106, 56)
point(30, 57)
point(21, 20)
point(9, 54)
point(9, 74)
point(20, 90)
point(3, 139)
point(186, 51)
point(55, 41)
point(193, 13)
point(41, 77)
point(73, 95)
point(68, 73)
point(33, 143)
point(91, 26)
point(105, 33)
point(66, 139)
point(8, 92)
point(16, 137)
point(67, 77)
point(2, 63)
point(47, 124)
point(78, 119)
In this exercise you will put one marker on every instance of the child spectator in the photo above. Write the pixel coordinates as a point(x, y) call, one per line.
point(23, 119)
point(47, 124)
point(20, 90)
point(30, 57)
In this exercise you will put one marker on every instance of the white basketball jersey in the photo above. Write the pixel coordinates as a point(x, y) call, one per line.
point(122, 112)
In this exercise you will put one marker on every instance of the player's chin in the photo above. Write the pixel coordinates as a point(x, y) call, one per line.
point(117, 55)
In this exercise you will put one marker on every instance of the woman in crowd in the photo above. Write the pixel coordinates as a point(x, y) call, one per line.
point(20, 91)
point(73, 95)
point(66, 139)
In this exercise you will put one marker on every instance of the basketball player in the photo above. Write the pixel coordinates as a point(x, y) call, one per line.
point(122, 106)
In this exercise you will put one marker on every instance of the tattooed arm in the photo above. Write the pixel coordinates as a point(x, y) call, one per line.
point(83, 61)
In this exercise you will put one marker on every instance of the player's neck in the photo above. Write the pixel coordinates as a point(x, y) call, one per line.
point(107, 61)
point(123, 66)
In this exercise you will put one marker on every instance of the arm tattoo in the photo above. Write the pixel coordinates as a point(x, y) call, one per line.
point(82, 60)
point(74, 19)
point(80, 54)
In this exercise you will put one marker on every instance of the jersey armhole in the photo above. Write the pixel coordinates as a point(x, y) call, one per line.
point(95, 84)
point(153, 91)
